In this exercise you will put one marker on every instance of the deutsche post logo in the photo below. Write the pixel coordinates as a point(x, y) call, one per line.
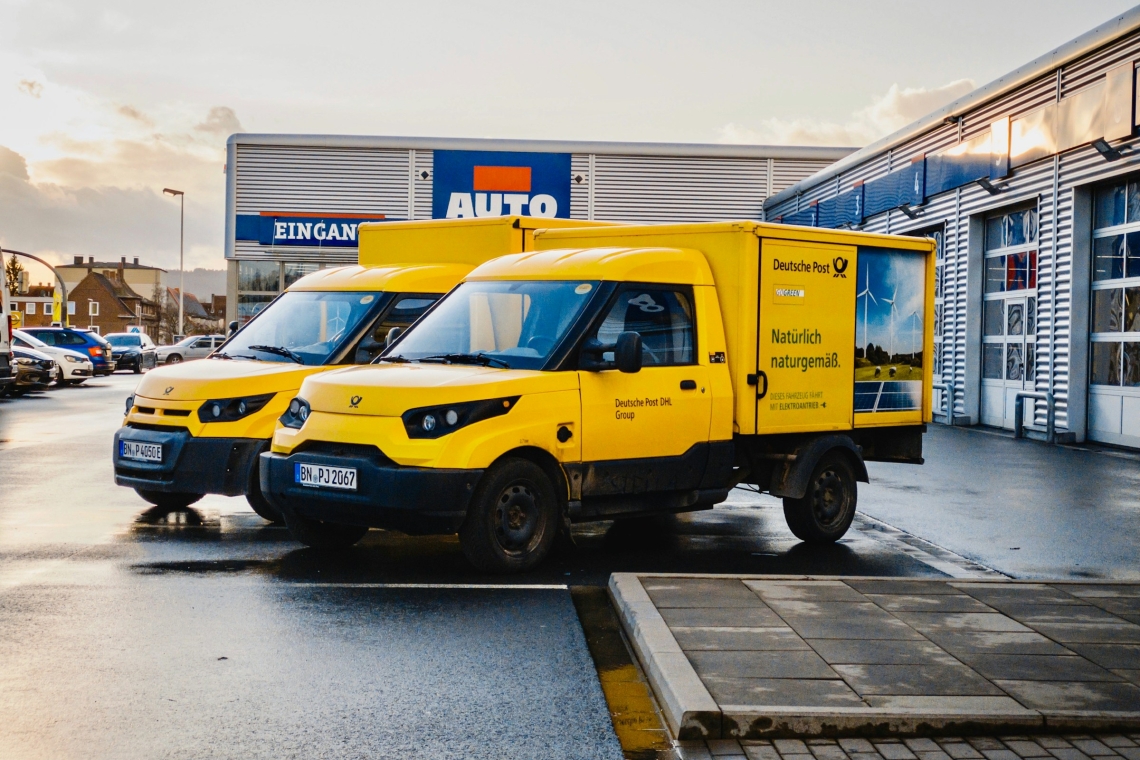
point(168, 390)
point(840, 265)
point(354, 402)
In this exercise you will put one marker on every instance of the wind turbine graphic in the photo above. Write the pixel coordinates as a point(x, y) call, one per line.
point(914, 320)
point(894, 310)
point(866, 307)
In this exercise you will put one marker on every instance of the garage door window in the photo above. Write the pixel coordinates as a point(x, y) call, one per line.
point(1115, 317)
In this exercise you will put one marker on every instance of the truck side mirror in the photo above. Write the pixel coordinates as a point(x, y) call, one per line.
point(233, 327)
point(394, 333)
point(627, 352)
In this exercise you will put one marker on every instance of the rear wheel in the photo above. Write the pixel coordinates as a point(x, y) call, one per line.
point(825, 512)
point(323, 535)
point(512, 520)
point(169, 500)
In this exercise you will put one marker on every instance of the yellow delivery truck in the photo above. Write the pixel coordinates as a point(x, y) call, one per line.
point(621, 372)
point(196, 428)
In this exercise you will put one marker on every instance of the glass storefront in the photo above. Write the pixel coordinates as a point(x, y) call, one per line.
point(259, 282)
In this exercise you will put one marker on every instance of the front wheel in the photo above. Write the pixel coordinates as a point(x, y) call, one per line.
point(513, 518)
point(170, 501)
point(323, 535)
point(173, 359)
point(825, 512)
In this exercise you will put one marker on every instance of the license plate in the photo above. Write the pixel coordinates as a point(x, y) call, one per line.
point(143, 452)
point(323, 476)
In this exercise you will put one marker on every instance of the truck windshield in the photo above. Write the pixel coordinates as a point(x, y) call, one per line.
point(304, 327)
point(502, 324)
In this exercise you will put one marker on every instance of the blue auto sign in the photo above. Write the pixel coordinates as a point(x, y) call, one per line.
point(468, 184)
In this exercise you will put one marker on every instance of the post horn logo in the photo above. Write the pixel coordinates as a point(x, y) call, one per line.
point(354, 402)
point(840, 265)
point(168, 390)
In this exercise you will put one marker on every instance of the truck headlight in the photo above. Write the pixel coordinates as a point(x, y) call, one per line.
point(436, 421)
point(296, 414)
point(130, 404)
point(230, 409)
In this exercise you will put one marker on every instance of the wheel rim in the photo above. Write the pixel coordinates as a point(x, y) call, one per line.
point(830, 502)
point(516, 518)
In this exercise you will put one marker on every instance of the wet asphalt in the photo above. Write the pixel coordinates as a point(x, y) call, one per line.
point(126, 632)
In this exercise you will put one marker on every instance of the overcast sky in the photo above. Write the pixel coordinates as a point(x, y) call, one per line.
point(103, 104)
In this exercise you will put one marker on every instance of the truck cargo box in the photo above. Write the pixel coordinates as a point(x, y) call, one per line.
point(825, 329)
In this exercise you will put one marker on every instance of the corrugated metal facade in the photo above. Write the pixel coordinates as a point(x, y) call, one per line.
point(1054, 184)
point(291, 176)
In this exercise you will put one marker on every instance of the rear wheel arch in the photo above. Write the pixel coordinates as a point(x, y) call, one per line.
point(792, 479)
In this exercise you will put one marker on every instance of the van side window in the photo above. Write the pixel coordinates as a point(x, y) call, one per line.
point(662, 315)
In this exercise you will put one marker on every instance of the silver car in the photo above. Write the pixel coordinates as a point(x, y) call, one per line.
point(193, 347)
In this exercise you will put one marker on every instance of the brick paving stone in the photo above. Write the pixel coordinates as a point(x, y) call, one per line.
point(720, 747)
point(921, 745)
point(827, 751)
point(1091, 747)
point(866, 756)
point(693, 750)
point(1000, 754)
point(761, 752)
point(894, 751)
point(959, 750)
point(1026, 748)
point(1068, 753)
point(857, 745)
point(1117, 741)
point(791, 747)
point(983, 743)
point(1132, 753)
point(934, 754)
point(1052, 742)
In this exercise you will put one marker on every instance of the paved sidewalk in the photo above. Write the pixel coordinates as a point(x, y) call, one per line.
point(769, 656)
point(1053, 747)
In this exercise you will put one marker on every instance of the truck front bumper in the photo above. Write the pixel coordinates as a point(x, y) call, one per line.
point(189, 464)
point(413, 500)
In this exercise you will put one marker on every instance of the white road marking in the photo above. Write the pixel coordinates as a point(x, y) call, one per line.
point(516, 586)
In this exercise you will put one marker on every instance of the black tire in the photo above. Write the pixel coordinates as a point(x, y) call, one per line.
point(825, 512)
point(323, 535)
point(257, 501)
point(169, 500)
point(512, 520)
point(174, 359)
point(138, 368)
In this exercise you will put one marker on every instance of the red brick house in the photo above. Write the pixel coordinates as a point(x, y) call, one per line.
point(108, 304)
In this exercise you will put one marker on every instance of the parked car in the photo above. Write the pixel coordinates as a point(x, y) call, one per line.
point(83, 341)
point(192, 347)
point(72, 367)
point(7, 372)
point(133, 351)
point(34, 371)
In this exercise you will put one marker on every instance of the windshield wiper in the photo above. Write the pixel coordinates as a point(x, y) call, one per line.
point(279, 351)
point(480, 359)
point(397, 359)
point(221, 355)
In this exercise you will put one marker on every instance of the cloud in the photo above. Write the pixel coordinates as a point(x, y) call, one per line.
point(892, 111)
point(13, 164)
point(134, 114)
point(220, 121)
point(30, 87)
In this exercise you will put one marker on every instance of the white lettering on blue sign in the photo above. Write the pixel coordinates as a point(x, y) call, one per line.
point(314, 231)
point(463, 206)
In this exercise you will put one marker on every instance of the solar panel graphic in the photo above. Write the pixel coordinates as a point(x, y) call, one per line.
point(888, 396)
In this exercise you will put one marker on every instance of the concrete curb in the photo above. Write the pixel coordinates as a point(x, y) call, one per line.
point(689, 709)
point(692, 713)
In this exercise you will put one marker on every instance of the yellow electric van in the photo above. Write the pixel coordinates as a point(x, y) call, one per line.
point(622, 372)
point(197, 427)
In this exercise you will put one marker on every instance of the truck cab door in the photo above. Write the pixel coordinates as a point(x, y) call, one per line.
point(640, 430)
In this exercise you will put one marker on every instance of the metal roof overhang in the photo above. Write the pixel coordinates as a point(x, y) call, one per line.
point(1117, 27)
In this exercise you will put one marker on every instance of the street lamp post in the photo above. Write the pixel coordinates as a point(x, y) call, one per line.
point(181, 237)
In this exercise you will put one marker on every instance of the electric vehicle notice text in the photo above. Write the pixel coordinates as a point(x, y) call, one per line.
point(142, 452)
point(323, 476)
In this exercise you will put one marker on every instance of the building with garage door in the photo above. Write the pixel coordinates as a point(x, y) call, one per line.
point(1031, 185)
point(293, 202)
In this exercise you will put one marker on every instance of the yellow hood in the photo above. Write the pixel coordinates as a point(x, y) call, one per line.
point(218, 378)
point(389, 390)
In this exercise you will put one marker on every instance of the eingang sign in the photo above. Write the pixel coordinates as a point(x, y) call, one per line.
point(301, 228)
point(468, 184)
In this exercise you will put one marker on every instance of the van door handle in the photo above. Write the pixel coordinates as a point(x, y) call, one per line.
point(688, 385)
